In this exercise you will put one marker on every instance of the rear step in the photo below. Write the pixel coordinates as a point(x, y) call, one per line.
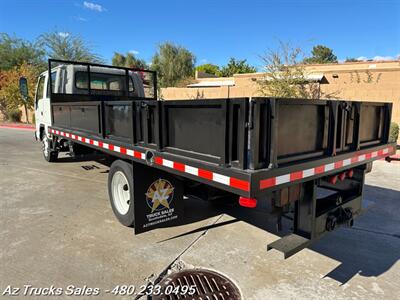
point(289, 244)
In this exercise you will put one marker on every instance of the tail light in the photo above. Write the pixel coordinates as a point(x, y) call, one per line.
point(248, 202)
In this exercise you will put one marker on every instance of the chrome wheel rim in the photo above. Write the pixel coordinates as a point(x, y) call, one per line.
point(120, 190)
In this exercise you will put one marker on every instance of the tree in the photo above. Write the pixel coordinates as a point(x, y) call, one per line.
point(66, 46)
point(173, 63)
point(15, 51)
point(129, 61)
point(321, 55)
point(235, 66)
point(285, 75)
point(10, 97)
point(351, 59)
point(209, 68)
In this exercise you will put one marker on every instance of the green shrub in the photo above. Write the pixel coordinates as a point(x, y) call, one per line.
point(14, 115)
point(393, 132)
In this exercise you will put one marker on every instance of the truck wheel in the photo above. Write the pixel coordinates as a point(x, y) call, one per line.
point(120, 191)
point(48, 154)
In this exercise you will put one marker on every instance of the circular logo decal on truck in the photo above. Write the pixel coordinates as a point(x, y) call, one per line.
point(159, 195)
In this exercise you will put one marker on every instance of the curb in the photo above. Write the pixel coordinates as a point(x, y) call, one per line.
point(21, 127)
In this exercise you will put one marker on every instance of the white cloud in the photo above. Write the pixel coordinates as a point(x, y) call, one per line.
point(63, 34)
point(378, 57)
point(93, 6)
point(81, 19)
point(134, 52)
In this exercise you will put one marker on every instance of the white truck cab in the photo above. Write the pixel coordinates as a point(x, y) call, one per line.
point(73, 79)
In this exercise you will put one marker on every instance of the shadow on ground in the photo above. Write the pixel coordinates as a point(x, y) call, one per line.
point(362, 250)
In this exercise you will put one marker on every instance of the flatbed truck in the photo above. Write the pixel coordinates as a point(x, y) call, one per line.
point(300, 159)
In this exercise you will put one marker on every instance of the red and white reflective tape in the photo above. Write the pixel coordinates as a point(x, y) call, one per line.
point(129, 152)
point(205, 174)
point(286, 178)
point(202, 173)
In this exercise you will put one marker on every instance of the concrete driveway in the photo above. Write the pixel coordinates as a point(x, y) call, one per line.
point(57, 228)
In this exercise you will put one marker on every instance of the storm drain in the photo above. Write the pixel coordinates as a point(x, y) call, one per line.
point(197, 284)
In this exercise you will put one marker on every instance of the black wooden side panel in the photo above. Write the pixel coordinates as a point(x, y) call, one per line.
point(300, 129)
point(197, 128)
point(86, 118)
point(61, 115)
point(371, 122)
point(200, 130)
point(119, 120)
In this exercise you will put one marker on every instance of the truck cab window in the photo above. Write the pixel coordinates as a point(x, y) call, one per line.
point(40, 88)
point(102, 81)
point(53, 83)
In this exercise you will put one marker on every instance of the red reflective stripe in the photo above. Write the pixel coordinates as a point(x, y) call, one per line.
point(123, 150)
point(266, 183)
point(380, 152)
point(91, 142)
point(101, 144)
point(296, 175)
point(137, 154)
point(110, 147)
point(319, 170)
point(205, 174)
point(239, 184)
point(179, 166)
point(354, 159)
point(158, 160)
point(338, 164)
point(368, 155)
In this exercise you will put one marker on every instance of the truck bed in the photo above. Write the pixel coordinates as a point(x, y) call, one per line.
point(247, 147)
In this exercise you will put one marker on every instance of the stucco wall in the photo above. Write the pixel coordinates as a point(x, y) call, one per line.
point(363, 81)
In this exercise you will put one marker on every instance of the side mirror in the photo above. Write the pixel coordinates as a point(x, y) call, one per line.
point(23, 88)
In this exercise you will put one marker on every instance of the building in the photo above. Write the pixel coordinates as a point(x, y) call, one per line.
point(361, 81)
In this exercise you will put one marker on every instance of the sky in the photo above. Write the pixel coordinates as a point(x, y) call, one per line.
point(214, 30)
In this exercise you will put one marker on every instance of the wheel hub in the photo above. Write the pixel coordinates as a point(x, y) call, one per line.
point(120, 192)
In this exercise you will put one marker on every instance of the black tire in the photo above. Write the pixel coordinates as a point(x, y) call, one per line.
point(48, 154)
point(117, 191)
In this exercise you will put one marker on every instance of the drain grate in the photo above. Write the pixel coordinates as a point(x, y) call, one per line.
point(206, 285)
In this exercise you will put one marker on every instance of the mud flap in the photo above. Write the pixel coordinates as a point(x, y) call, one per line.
point(158, 199)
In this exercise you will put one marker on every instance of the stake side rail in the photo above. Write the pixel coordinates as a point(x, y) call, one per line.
point(247, 183)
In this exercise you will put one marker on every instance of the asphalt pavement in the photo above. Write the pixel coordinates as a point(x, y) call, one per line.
point(57, 229)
